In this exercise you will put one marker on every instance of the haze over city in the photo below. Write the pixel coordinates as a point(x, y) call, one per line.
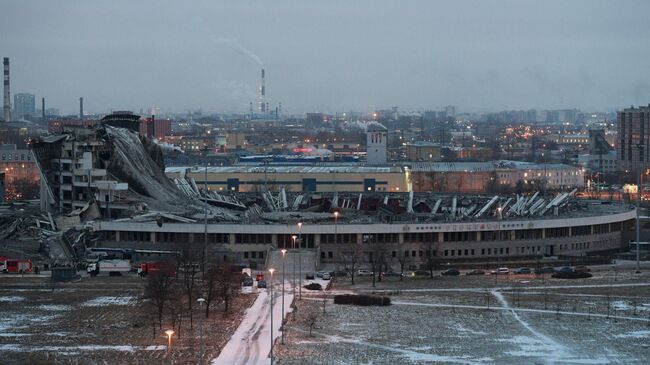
point(330, 55)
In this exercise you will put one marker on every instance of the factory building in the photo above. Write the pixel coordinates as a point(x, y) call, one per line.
point(341, 178)
point(423, 151)
point(477, 177)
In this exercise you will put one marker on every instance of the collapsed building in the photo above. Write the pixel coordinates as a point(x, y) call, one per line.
point(109, 171)
point(106, 187)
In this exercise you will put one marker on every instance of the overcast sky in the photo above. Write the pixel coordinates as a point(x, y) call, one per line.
point(329, 55)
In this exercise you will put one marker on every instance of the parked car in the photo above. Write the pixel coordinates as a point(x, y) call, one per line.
point(309, 276)
point(327, 276)
point(339, 274)
point(545, 270)
point(571, 275)
point(475, 272)
point(500, 271)
point(450, 272)
point(565, 270)
point(363, 272)
point(581, 268)
point(420, 273)
point(391, 273)
point(320, 273)
point(523, 270)
point(248, 281)
point(261, 284)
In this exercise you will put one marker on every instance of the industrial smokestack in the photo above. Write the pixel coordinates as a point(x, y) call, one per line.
point(81, 108)
point(42, 110)
point(7, 96)
point(262, 94)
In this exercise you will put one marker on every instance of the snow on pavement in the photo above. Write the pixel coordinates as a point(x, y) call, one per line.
point(251, 342)
point(541, 345)
point(12, 299)
point(102, 301)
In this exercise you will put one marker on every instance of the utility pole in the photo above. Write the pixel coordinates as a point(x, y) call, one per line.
point(205, 226)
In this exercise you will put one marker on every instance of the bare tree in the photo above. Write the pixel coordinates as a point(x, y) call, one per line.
point(176, 307)
point(351, 259)
point(228, 281)
point(431, 257)
point(377, 258)
point(311, 318)
point(190, 269)
point(158, 290)
point(403, 259)
point(209, 286)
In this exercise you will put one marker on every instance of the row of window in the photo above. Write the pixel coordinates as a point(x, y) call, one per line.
point(16, 157)
point(254, 255)
point(308, 240)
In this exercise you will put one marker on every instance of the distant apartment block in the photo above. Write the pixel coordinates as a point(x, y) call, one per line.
point(634, 139)
point(24, 105)
point(155, 128)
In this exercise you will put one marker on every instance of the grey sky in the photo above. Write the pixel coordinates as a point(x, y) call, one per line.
point(330, 55)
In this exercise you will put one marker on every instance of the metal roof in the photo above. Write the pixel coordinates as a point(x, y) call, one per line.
point(339, 169)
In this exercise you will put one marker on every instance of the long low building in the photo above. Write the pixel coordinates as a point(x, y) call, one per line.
point(476, 177)
point(475, 236)
point(326, 178)
point(451, 177)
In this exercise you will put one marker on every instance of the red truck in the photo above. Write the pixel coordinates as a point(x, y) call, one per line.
point(15, 266)
point(157, 268)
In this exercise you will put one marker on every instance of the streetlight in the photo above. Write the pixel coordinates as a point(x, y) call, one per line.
point(299, 261)
point(201, 301)
point(169, 334)
point(284, 252)
point(638, 220)
point(293, 240)
point(336, 222)
point(271, 271)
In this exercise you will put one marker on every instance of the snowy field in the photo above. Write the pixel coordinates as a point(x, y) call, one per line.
point(99, 321)
point(470, 320)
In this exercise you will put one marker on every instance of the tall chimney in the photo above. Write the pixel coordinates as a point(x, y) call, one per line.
point(262, 94)
point(7, 96)
point(81, 108)
point(42, 110)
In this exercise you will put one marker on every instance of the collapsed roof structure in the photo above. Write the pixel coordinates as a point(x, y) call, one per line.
point(112, 167)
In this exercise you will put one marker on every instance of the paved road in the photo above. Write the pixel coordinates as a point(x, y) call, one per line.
point(251, 343)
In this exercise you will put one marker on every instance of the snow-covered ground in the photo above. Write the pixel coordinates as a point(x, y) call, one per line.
point(109, 300)
point(526, 323)
point(251, 343)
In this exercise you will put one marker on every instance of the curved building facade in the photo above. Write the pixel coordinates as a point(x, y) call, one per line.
point(598, 229)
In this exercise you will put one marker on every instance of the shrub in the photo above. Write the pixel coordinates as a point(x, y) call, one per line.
point(363, 300)
point(313, 286)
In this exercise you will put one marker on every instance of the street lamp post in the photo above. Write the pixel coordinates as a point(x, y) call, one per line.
point(638, 220)
point(336, 225)
point(293, 245)
point(299, 261)
point(201, 302)
point(284, 252)
point(169, 334)
point(271, 290)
